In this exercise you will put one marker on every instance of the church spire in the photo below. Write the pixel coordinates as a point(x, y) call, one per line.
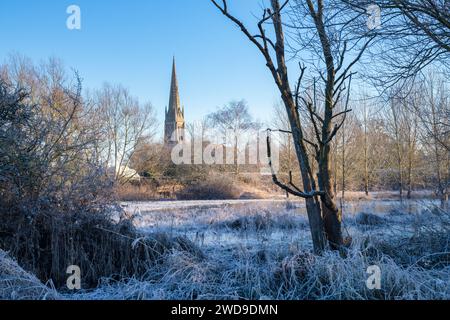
point(174, 122)
point(174, 100)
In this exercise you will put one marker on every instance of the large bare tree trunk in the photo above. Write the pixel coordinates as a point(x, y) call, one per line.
point(324, 216)
point(312, 204)
point(330, 212)
point(281, 78)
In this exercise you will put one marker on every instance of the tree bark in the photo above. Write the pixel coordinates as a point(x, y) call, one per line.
point(330, 212)
point(323, 214)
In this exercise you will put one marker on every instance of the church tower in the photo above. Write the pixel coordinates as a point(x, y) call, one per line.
point(174, 124)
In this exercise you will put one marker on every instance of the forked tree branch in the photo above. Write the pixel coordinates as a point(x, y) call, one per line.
point(296, 191)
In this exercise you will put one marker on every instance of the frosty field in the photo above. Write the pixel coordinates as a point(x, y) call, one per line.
point(258, 249)
point(225, 223)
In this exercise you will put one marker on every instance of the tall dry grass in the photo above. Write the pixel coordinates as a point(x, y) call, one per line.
point(17, 284)
point(410, 269)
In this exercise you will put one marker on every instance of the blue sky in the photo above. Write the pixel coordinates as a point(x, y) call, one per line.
point(132, 42)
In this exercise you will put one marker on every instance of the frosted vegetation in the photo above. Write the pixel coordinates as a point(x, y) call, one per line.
point(69, 153)
point(262, 251)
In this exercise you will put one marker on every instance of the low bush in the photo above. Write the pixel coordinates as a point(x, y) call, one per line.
point(55, 199)
point(131, 192)
point(213, 188)
point(369, 219)
point(91, 240)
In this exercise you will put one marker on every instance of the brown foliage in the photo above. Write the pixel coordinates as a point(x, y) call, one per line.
point(213, 188)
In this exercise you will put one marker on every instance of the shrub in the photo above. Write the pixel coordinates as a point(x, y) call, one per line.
point(369, 219)
point(213, 188)
point(55, 198)
point(89, 239)
point(130, 192)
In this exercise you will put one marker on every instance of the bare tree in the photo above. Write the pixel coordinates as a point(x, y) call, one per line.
point(433, 114)
point(150, 158)
point(233, 121)
point(287, 158)
point(411, 134)
point(126, 124)
point(349, 149)
point(365, 121)
point(46, 140)
point(374, 140)
point(413, 35)
point(334, 80)
point(395, 109)
point(199, 130)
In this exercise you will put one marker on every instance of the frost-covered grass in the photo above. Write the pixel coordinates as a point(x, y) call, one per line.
point(262, 250)
point(17, 284)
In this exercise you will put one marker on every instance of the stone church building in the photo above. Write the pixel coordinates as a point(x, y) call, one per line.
point(174, 124)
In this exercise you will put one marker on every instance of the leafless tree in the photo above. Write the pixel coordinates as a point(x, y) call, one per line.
point(433, 115)
point(126, 123)
point(199, 130)
point(46, 141)
point(233, 119)
point(350, 152)
point(413, 35)
point(287, 157)
point(328, 88)
point(395, 110)
point(365, 123)
point(150, 158)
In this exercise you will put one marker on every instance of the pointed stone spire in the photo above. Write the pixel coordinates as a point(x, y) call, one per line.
point(174, 99)
point(175, 115)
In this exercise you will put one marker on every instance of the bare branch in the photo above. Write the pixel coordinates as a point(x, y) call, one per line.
point(286, 188)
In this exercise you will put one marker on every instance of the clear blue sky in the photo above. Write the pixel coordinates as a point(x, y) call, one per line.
point(132, 42)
